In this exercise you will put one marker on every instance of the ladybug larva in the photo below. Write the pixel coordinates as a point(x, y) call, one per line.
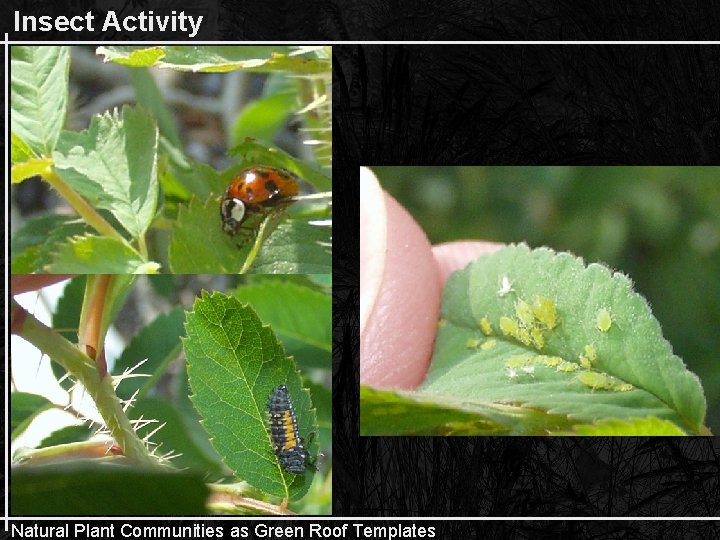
point(284, 434)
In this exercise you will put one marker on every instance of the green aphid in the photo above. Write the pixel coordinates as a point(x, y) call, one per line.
point(588, 358)
point(442, 323)
point(544, 311)
point(489, 344)
point(551, 361)
point(519, 361)
point(524, 313)
point(523, 336)
point(485, 326)
point(567, 367)
point(596, 380)
point(509, 327)
point(537, 337)
point(472, 343)
point(603, 381)
point(590, 353)
point(603, 320)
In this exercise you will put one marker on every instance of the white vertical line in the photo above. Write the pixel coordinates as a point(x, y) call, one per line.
point(7, 286)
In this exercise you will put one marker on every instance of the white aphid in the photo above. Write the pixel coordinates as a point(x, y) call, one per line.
point(505, 287)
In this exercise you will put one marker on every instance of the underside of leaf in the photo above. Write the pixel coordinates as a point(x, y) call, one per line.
point(539, 329)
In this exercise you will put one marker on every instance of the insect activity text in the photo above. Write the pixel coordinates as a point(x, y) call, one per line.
point(142, 22)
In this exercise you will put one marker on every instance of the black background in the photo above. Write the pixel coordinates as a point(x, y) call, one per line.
point(492, 105)
point(398, 20)
point(511, 105)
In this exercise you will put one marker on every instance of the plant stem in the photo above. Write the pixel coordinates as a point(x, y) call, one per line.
point(84, 370)
point(82, 207)
point(259, 238)
point(142, 246)
point(231, 499)
point(65, 452)
point(91, 321)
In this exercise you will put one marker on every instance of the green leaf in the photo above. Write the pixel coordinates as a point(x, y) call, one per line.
point(98, 255)
point(322, 399)
point(566, 338)
point(66, 435)
point(234, 363)
point(262, 59)
point(20, 150)
point(633, 426)
point(27, 169)
point(198, 243)
point(158, 343)
point(38, 94)
point(190, 416)
point(126, 56)
point(81, 489)
point(113, 164)
point(262, 118)
point(32, 245)
point(24, 407)
point(24, 262)
point(387, 412)
point(321, 280)
point(299, 316)
point(184, 177)
point(296, 247)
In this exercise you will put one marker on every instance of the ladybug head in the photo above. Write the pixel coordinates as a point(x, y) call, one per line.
point(232, 212)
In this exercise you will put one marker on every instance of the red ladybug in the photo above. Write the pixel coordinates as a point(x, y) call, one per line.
point(255, 190)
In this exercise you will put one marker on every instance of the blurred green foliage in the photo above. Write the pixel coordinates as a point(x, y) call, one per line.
point(659, 225)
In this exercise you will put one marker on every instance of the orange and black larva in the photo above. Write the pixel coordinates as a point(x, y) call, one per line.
point(286, 441)
point(255, 190)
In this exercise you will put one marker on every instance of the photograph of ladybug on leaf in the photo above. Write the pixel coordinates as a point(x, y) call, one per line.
point(172, 159)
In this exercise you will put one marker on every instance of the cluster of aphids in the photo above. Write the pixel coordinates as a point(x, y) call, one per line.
point(524, 365)
point(530, 325)
point(531, 321)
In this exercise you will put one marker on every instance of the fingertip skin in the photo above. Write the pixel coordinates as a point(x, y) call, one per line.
point(453, 256)
point(399, 292)
point(373, 242)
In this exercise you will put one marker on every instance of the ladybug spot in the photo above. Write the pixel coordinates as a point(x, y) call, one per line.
point(271, 187)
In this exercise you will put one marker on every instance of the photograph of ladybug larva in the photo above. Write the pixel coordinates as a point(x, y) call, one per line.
point(170, 395)
point(171, 159)
point(170, 281)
